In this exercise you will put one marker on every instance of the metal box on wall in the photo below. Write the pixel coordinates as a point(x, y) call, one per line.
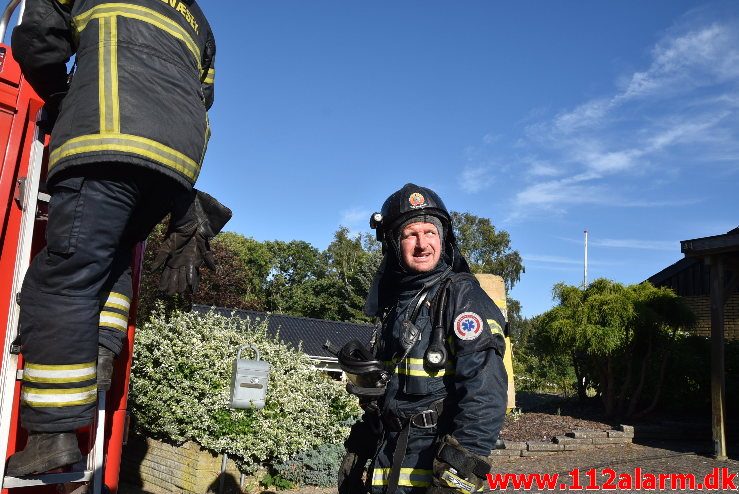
point(249, 381)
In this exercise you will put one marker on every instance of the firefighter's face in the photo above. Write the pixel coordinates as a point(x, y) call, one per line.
point(420, 246)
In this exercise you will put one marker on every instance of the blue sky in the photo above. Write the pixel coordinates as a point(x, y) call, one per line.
point(618, 117)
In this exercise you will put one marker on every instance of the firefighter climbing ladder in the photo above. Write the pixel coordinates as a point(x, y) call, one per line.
point(22, 225)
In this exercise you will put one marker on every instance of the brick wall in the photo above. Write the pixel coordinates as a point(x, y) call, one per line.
point(161, 468)
point(701, 307)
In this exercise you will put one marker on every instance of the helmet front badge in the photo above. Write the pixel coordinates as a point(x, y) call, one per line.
point(417, 200)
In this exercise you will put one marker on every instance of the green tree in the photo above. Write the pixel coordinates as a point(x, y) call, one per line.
point(489, 250)
point(486, 249)
point(609, 330)
point(294, 266)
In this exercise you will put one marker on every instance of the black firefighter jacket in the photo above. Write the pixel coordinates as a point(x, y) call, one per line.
point(474, 383)
point(142, 86)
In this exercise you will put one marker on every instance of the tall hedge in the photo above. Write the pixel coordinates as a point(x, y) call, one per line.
point(180, 390)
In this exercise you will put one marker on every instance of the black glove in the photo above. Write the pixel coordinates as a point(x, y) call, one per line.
point(51, 111)
point(360, 448)
point(456, 470)
point(196, 219)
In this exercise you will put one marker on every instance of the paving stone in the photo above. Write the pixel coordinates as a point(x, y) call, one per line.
point(515, 444)
point(572, 440)
point(544, 446)
point(538, 453)
point(611, 440)
point(626, 428)
point(506, 452)
point(620, 434)
point(581, 434)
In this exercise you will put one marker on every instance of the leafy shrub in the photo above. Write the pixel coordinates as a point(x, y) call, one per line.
point(538, 371)
point(318, 466)
point(180, 390)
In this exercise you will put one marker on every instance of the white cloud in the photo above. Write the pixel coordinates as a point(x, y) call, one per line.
point(682, 108)
point(475, 178)
point(351, 217)
point(632, 243)
point(550, 259)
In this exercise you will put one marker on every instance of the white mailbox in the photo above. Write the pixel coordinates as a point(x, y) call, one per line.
point(249, 381)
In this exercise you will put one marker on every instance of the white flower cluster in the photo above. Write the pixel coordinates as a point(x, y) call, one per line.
point(180, 390)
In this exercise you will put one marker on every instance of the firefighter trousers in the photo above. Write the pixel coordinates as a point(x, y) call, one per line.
point(77, 291)
point(416, 468)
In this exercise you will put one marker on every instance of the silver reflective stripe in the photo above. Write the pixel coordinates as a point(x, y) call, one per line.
point(58, 373)
point(36, 397)
point(118, 301)
point(113, 320)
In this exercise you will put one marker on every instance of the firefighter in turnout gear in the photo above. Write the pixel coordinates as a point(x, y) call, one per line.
point(438, 418)
point(129, 134)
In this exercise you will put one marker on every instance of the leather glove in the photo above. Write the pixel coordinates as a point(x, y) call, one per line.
point(52, 107)
point(195, 220)
point(360, 448)
point(457, 470)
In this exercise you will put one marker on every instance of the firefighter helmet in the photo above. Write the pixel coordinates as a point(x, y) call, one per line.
point(411, 200)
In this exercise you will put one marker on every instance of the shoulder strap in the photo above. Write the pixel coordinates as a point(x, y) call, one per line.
point(439, 303)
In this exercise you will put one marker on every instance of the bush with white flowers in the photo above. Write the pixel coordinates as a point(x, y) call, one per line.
point(180, 385)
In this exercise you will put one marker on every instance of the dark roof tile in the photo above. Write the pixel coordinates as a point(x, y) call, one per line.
point(293, 330)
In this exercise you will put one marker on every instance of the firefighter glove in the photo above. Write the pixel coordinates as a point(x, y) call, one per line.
point(457, 470)
point(195, 220)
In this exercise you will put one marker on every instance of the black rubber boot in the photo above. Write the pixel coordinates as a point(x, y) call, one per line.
point(44, 451)
point(105, 368)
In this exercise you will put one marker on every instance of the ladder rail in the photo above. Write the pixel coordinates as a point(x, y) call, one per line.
point(95, 458)
point(9, 367)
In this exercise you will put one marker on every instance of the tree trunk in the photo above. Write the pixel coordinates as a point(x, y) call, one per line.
point(609, 392)
point(626, 386)
point(637, 393)
point(582, 392)
point(662, 370)
point(658, 391)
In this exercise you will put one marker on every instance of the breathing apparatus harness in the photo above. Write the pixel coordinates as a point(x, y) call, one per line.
point(367, 376)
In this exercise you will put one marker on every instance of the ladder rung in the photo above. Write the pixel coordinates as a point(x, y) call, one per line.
point(47, 479)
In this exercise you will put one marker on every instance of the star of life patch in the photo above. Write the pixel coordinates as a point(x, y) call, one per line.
point(468, 326)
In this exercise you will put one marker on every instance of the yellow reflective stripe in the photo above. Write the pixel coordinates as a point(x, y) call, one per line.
point(414, 367)
point(110, 119)
point(210, 76)
point(102, 70)
point(409, 477)
point(65, 2)
point(113, 320)
point(118, 301)
point(36, 397)
point(127, 143)
point(495, 327)
point(114, 97)
point(29, 365)
point(143, 14)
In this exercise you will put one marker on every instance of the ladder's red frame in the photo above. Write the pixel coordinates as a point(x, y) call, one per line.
point(19, 107)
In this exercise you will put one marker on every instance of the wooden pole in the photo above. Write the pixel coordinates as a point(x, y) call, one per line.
point(718, 386)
